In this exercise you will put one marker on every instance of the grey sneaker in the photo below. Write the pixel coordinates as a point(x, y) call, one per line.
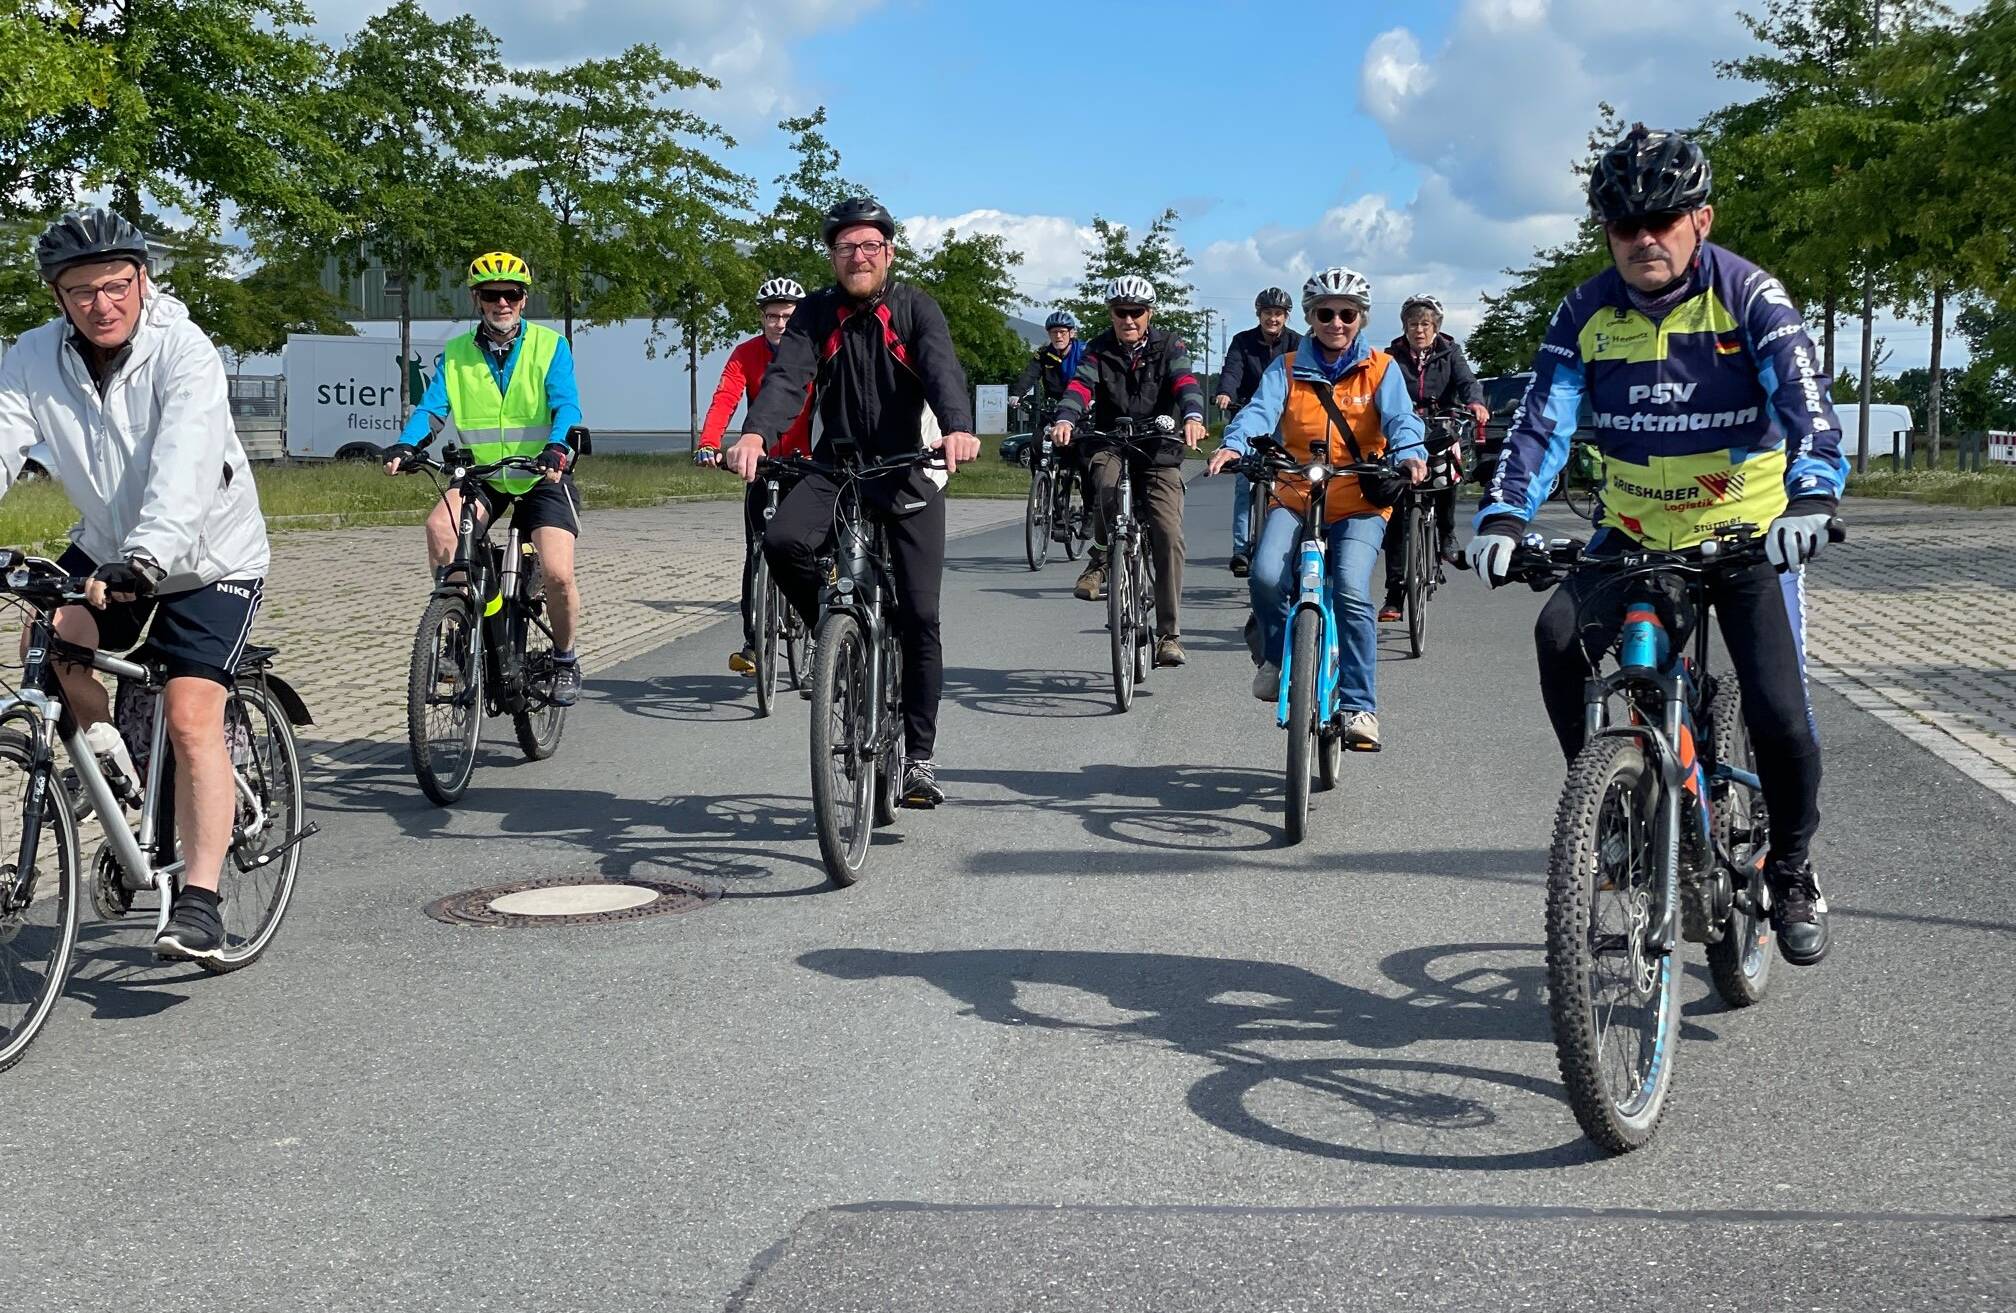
point(1267, 683)
point(1361, 731)
point(566, 683)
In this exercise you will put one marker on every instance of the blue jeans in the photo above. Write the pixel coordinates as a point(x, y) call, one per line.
point(1353, 551)
point(1242, 520)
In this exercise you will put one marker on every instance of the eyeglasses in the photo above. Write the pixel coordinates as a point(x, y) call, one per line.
point(1347, 316)
point(1129, 311)
point(83, 298)
point(848, 250)
point(507, 295)
point(1661, 222)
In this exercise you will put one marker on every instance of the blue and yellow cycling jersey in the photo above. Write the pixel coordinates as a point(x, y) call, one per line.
point(1713, 415)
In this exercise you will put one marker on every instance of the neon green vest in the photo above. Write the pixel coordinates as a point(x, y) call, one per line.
point(494, 425)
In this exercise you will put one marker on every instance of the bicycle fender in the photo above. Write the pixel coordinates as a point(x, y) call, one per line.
point(290, 701)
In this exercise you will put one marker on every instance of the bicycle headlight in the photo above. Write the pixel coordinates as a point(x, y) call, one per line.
point(1317, 474)
point(18, 578)
point(843, 586)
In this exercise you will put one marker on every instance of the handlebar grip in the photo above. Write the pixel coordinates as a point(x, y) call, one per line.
point(1837, 532)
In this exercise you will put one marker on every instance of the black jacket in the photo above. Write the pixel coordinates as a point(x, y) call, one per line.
point(1045, 366)
point(1441, 376)
point(1156, 379)
point(1246, 359)
point(877, 366)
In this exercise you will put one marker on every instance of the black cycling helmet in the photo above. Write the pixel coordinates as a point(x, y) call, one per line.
point(1273, 299)
point(1649, 172)
point(86, 236)
point(857, 210)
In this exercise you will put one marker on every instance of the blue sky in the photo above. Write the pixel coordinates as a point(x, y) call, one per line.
point(1426, 144)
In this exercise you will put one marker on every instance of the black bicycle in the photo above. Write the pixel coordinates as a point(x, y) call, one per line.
point(40, 885)
point(1661, 833)
point(1422, 532)
point(1581, 482)
point(1130, 566)
point(483, 646)
point(857, 670)
point(1057, 510)
point(778, 628)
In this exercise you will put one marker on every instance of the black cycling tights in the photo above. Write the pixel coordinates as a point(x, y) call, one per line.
point(1757, 612)
point(801, 530)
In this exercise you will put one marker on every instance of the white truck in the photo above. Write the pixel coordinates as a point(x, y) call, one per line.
point(343, 392)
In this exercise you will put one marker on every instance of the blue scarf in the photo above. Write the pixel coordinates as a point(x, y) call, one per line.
point(1349, 356)
point(1076, 353)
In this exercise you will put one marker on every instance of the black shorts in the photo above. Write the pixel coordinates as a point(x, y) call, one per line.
point(200, 633)
point(542, 506)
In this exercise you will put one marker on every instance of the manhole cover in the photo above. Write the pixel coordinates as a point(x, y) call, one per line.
point(570, 900)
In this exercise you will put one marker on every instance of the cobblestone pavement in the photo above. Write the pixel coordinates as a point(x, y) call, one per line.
point(1914, 621)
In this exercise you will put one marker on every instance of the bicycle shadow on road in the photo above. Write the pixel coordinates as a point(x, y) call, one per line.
point(1159, 807)
point(687, 697)
point(1050, 694)
point(116, 972)
point(1305, 1097)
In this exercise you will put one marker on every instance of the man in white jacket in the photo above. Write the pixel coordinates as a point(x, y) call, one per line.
point(129, 398)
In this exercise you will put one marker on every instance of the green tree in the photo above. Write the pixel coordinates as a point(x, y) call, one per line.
point(250, 315)
point(1158, 257)
point(972, 280)
point(620, 183)
point(48, 67)
point(788, 244)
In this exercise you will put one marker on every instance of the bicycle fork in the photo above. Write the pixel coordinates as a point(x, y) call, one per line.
point(1312, 584)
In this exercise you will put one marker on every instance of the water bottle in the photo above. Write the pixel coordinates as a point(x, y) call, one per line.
point(114, 762)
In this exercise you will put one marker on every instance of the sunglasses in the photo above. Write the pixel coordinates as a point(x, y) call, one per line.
point(507, 295)
point(1129, 311)
point(1661, 222)
point(1323, 314)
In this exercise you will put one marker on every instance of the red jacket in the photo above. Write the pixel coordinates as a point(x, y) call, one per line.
point(744, 372)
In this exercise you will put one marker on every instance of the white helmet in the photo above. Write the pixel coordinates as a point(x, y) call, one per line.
point(779, 289)
point(1337, 281)
point(1130, 289)
point(1426, 302)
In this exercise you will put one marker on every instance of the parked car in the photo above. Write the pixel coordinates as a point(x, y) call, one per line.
point(1502, 396)
point(1015, 449)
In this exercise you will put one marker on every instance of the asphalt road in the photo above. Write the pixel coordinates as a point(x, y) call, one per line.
point(1088, 1038)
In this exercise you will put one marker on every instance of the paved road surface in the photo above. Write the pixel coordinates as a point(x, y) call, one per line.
point(1090, 1038)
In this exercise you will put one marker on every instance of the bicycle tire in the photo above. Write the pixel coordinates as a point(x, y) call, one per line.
point(454, 617)
point(1739, 963)
point(889, 764)
point(792, 638)
point(1329, 754)
point(1304, 646)
point(1036, 519)
point(1079, 533)
point(763, 623)
point(38, 939)
point(252, 902)
point(538, 728)
point(1609, 804)
point(1119, 625)
point(842, 776)
point(1418, 565)
point(1143, 575)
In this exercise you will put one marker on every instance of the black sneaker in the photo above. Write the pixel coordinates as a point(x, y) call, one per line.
point(920, 784)
point(566, 683)
point(1241, 567)
point(1798, 912)
point(195, 928)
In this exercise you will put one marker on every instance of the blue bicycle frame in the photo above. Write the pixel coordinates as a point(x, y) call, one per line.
point(1313, 589)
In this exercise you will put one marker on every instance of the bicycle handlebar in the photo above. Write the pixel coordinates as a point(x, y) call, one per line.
point(930, 457)
point(1540, 565)
point(39, 580)
point(455, 460)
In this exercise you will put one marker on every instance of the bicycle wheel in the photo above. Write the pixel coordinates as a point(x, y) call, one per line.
point(843, 773)
point(763, 621)
point(1120, 623)
point(1143, 576)
point(1419, 563)
point(38, 924)
point(444, 698)
point(539, 726)
point(1036, 519)
point(1304, 645)
point(254, 893)
point(1613, 1000)
point(1074, 514)
point(1740, 962)
point(889, 763)
point(791, 635)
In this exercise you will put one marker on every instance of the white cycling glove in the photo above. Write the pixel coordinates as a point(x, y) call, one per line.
point(1490, 550)
point(1796, 537)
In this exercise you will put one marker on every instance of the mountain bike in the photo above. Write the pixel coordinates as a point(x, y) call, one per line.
point(1423, 532)
point(1053, 513)
point(857, 671)
point(1661, 833)
point(1581, 483)
point(1309, 705)
point(40, 884)
point(483, 646)
point(777, 626)
point(1130, 567)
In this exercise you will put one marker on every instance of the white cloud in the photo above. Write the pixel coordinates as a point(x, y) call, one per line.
point(1053, 248)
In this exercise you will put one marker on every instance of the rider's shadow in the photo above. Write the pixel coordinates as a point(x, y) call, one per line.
point(1272, 1034)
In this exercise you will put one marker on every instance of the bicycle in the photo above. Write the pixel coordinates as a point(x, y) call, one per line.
point(1130, 567)
point(1309, 705)
point(1660, 836)
point(776, 624)
point(1424, 544)
point(40, 887)
point(1050, 515)
point(483, 646)
point(1581, 483)
point(857, 673)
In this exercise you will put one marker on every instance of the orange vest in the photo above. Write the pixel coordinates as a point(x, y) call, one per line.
point(1305, 426)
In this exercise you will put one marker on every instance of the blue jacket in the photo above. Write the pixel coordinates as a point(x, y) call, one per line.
point(1262, 415)
point(562, 395)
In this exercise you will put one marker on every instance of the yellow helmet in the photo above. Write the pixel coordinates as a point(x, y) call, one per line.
point(499, 267)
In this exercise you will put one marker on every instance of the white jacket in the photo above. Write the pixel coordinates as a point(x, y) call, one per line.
point(154, 466)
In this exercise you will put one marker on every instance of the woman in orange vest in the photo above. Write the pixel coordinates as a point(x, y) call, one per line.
point(1371, 398)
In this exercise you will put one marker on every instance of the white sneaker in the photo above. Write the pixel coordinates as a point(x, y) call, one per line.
point(1361, 731)
point(1267, 683)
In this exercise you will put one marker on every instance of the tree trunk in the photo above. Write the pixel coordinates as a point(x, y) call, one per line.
point(567, 310)
point(1830, 305)
point(126, 200)
point(1868, 356)
point(693, 388)
point(1932, 388)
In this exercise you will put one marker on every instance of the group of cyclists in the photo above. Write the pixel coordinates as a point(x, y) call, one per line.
point(1710, 410)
